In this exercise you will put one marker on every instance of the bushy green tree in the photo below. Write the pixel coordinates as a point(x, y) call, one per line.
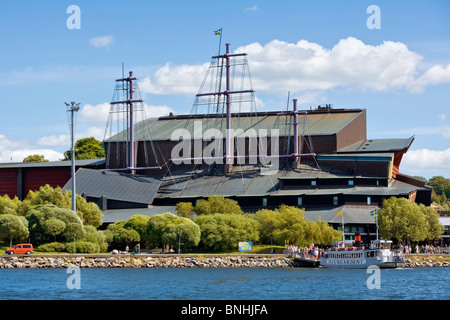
point(138, 222)
point(289, 223)
point(404, 220)
point(166, 229)
point(8, 205)
point(96, 237)
point(86, 148)
point(89, 212)
point(35, 158)
point(440, 185)
point(224, 231)
point(119, 237)
point(39, 216)
point(435, 228)
point(13, 227)
point(185, 209)
point(217, 204)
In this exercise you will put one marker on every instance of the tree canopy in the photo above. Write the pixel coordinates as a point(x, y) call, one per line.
point(86, 148)
point(13, 227)
point(223, 231)
point(217, 204)
point(404, 220)
point(289, 223)
point(35, 158)
point(167, 228)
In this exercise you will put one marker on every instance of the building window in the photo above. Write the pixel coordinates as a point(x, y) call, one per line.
point(369, 200)
point(313, 182)
point(299, 201)
point(264, 202)
point(335, 200)
point(350, 182)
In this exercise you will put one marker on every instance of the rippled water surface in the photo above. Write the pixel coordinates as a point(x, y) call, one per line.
point(225, 283)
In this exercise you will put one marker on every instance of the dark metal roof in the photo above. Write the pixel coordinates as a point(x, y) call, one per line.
point(116, 186)
point(378, 145)
point(354, 214)
point(319, 123)
point(52, 164)
point(247, 181)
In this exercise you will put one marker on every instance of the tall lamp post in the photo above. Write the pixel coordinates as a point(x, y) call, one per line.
point(72, 108)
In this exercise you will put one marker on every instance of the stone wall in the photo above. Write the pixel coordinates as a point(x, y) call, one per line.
point(174, 261)
point(131, 261)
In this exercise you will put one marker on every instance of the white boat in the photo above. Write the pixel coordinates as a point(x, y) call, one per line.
point(345, 255)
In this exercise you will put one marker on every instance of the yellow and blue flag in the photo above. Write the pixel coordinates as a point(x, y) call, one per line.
point(218, 32)
point(374, 212)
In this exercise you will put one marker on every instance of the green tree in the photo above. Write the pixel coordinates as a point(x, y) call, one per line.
point(407, 221)
point(48, 195)
point(138, 222)
point(41, 229)
point(223, 231)
point(184, 209)
point(289, 223)
point(96, 237)
point(35, 158)
point(53, 226)
point(86, 148)
point(8, 205)
point(435, 228)
point(89, 212)
point(13, 227)
point(181, 230)
point(119, 237)
point(440, 185)
point(217, 204)
point(166, 229)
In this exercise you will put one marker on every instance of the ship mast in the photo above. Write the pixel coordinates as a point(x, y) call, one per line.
point(227, 94)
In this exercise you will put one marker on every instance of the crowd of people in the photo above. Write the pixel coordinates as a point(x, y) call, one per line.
point(314, 252)
point(311, 252)
point(426, 249)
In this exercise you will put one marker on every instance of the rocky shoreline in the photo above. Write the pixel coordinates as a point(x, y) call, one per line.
point(197, 261)
point(132, 261)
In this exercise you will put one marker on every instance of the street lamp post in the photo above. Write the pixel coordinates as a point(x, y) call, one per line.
point(72, 108)
point(271, 243)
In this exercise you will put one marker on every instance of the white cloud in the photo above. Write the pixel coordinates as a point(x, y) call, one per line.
point(436, 75)
point(96, 114)
point(16, 151)
point(55, 140)
point(253, 8)
point(184, 79)
point(280, 66)
point(422, 161)
point(102, 42)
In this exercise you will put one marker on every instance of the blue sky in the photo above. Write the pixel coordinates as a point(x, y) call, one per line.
point(321, 51)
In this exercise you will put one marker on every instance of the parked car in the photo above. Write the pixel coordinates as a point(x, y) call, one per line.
point(22, 248)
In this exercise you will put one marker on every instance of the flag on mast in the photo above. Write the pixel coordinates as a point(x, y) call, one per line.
point(218, 32)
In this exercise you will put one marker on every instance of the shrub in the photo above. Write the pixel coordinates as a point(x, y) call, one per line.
point(52, 247)
point(83, 247)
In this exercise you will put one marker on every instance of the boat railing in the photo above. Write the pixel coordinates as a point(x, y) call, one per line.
point(345, 249)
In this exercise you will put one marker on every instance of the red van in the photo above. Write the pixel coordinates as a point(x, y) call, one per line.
point(22, 248)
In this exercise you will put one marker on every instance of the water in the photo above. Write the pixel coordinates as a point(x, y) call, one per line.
point(224, 284)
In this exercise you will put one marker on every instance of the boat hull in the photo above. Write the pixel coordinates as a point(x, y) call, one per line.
point(363, 263)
